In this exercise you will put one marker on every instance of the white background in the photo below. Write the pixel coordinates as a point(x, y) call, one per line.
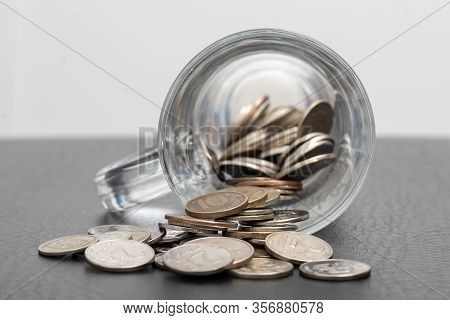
point(46, 90)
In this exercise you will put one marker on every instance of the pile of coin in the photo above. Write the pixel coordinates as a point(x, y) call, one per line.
point(232, 230)
point(284, 144)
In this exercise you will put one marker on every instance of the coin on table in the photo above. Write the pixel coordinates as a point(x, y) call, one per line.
point(197, 259)
point(247, 234)
point(335, 270)
point(189, 221)
point(307, 167)
point(171, 236)
point(66, 245)
point(256, 196)
point(158, 262)
point(191, 230)
point(114, 235)
point(261, 253)
point(119, 255)
point(297, 247)
point(242, 251)
point(217, 204)
point(317, 118)
point(138, 233)
point(285, 216)
point(157, 234)
point(263, 268)
point(257, 242)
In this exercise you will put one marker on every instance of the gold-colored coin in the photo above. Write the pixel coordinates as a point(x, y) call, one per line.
point(247, 234)
point(273, 196)
point(256, 196)
point(217, 204)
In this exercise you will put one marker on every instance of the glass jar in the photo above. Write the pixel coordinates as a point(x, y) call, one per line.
point(205, 101)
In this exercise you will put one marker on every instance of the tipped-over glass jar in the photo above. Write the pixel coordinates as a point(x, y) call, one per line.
point(206, 102)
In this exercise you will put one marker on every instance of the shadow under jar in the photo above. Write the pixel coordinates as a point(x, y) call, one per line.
point(207, 97)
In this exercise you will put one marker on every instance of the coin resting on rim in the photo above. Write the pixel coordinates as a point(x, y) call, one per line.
point(335, 270)
point(256, 196)
point(217, 204)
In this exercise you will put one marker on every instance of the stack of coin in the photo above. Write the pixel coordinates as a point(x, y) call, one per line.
point(277, 147)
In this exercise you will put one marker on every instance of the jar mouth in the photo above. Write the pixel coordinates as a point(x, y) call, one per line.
point(358, 121)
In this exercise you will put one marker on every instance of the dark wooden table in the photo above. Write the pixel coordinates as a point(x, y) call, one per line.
point(399, 224)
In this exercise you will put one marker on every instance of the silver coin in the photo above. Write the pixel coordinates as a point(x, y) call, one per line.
point(274, 153)
point(138, 233)
point(281, 139)
point(263, 268)
point(335, 270)
point(242, 251)
point(297, 143)
point(198, 259)
point(317, 118)
point(255, 212)
point(308, 150)
point(238, 168)
point(119, 255)
point(276, 116)
point(288, 198)
point(114, 235)
point(306, 168)
point(271, 228)
point(211, 157)
point(174, 236)
point(260, 107)
point(285, 216)
point(195, 230)
point(258, 162)
point(297, 247)
point(158, 262)
point(164, 248)
point(250, 143)
point(157, 234)
point(66, 245)
point(256, 217)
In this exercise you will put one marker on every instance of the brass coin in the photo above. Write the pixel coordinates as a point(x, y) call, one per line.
point(265, 182)
point(263, 268)
point(66, 245)
point(256, 196)
point(273, 196)
point(297, 247)
point(210, 224)
point(317, 118)
point(217, 204)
